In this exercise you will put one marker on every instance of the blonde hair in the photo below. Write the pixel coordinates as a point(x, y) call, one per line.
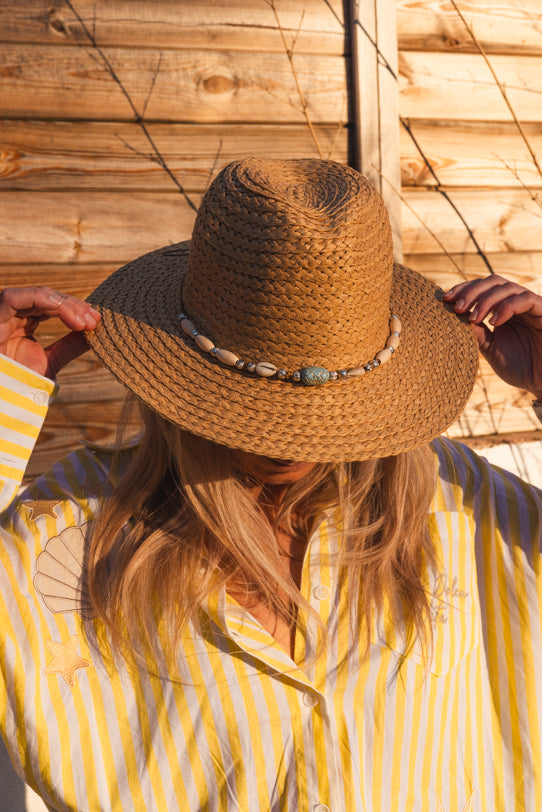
point(183, 522)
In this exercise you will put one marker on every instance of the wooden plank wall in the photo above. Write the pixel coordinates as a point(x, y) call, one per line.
point(81, 193)
point(456, 114)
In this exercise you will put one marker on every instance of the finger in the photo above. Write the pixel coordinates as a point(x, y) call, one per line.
point(465, 293)
point(490, 299)
point(64, 350)
point(47, 302)
point(525, 303)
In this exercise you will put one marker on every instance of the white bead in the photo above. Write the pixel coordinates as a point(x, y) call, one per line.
point(383, 355)
point(394, 341)
point(204, 343)
point(226, 357)
point(265, 369)
point(395, 324)
point(187, 327)
point(356, 372)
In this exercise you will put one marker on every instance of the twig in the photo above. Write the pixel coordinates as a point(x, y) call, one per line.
point(153, 82)
point(424, 224)
point(340, 125)
point(438, 188)
point(290, 55)
point(499, 84)
point(106, 64)
point(217, 156)
point(534, 197)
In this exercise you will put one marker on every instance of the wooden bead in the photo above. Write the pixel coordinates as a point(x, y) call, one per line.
point(226, 357)
point(395, 325)
point(265, 369)
point(356, 372)
point(383, 355)
point(204, 343)
point(394, 341)
point(187, 326)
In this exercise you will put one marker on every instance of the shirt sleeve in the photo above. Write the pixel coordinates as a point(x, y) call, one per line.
point(24, 400)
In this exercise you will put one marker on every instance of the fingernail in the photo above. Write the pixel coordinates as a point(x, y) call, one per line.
point(474, 315)
point(55, 299)
point(460, 303)
point(94, 312)
point(78, 320)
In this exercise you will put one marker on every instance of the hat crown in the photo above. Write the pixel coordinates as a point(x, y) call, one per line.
point(291, 262)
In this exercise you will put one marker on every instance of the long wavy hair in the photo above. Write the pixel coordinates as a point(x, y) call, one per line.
point(183, 522)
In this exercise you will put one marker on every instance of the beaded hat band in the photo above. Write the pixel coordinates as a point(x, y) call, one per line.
point(289, 273)
point(309, 375)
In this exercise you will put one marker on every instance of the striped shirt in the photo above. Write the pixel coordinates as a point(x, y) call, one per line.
point(246, 728)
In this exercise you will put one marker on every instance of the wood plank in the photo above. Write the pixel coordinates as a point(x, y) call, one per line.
point(75, 228)
point(41, 81)
point(521, 267)
point(190, 24)
point(461, 87)
point(506, 27)
point(115, 156)
point(470, 154)
point(502, 220)
point(375, 102)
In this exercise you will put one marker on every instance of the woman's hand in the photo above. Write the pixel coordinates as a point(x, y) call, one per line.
point(513, 346)
point(21, 311)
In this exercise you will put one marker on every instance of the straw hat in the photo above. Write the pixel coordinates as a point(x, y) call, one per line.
point(288, 281)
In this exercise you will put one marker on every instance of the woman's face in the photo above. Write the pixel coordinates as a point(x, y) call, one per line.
point(270, 471)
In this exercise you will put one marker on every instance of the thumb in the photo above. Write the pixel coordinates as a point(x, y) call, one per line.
point(64, 350)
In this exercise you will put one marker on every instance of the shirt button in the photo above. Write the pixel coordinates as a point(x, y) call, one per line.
point(40, 398)
point(310, 700)
point(321, 808)
point(321, 592)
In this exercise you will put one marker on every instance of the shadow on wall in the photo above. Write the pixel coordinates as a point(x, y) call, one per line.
point(15, 796)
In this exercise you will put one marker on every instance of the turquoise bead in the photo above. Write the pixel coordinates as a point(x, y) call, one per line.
point(314, 376)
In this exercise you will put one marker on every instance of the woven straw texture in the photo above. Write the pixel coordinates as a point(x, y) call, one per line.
point(290, 262)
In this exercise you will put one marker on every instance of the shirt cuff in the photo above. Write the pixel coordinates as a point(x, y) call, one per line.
point(24, 399)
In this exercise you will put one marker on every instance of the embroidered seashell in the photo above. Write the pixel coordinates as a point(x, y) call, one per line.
point(394, 341)
point(187, 326)
point(59, 577)
point(226, 357)
point(383, 355)
point(395, 324)
point(266, 370)
point(204, 343)
point(355, 372)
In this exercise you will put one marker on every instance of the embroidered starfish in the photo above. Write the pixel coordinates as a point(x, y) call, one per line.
point(65, 660)
point(466, 808)
point(42, 507)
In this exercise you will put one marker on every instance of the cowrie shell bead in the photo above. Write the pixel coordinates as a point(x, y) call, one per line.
point(395, 324)
point(226, 357)
point(265, 370)
point(188, 327)
point(356, 372)
point(383, 356)
point(204, 343)
point(394, 341)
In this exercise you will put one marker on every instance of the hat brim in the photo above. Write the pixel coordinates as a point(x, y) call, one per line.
point(411, 399)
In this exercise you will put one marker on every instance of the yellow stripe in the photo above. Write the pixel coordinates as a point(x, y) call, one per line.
point(22, 402)
point(15, 450)
point(22, 374)
point(19, 426)
point(7, 472)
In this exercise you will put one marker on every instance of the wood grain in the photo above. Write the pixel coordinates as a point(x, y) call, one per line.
point(461, 87)
point(470, 153)
point(502, 220)
point(71, 227)
point(236, 25)
point(49, 155)
point(54, 82)
point(505, 28)
point(96, 227)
